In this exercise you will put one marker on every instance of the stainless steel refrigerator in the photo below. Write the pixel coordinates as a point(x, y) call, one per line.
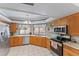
point(4, 39)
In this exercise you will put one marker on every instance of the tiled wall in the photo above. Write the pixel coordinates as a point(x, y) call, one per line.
point(75, 38)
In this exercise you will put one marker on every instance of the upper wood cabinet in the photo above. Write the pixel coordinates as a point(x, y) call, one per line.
point(62, 21)
point(73, 24)
point(12, 27)
point(59, 22)
point(72, 21)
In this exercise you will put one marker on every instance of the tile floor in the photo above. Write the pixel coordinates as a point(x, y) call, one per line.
point(29, 50)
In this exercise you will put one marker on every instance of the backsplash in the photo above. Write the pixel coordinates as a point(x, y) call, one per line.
point(75, 38)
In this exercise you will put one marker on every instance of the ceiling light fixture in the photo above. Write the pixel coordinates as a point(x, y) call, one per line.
point(31, 4)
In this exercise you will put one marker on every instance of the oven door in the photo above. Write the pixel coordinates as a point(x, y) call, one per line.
point(57, 47)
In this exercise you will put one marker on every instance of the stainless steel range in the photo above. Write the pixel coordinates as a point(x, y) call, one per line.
point(57, 44)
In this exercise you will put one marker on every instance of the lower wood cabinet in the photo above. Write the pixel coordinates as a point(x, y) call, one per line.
point(47, 43)
point(69, 51)
point(34, 40)
point(39, 41)
point(15, 41)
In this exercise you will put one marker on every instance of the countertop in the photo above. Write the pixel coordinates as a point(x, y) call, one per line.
point(72, 44)
point(28, 35)
point(69, 43)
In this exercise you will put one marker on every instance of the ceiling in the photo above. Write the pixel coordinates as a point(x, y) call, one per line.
point(39, 12)
point(21, 16)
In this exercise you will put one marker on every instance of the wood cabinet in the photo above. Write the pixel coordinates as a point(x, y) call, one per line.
point(35, 40)
point(59, 22)
point(40, 41)
point(15, 41)
point(72, 21)
point(47, 43)
point(69, 51)
point(73, 24)
point(12, 27)
point(20, 40)
point(32, 40)
point(11, 41)
point(62, 22)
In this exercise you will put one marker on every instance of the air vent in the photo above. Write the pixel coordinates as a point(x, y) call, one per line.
point(31, 4)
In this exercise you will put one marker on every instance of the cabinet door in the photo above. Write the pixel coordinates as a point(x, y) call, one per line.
point(37, 40)
point(62, 21)
point(32, 40)
point(69, 51)
point(43, 42)
point(13, 27)
point(20, 41)
point(73, 24)
point(47, 43)
point(11, 41)
point(15, 41)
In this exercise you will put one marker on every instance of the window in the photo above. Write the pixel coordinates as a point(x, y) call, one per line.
point(40, 29)
point(27, 29)
point(24, 29)
point(36, 29)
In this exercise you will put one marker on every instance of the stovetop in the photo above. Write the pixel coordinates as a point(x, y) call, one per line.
point(60, 41)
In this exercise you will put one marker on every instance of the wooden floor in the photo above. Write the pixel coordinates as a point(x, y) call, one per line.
point(29, 50)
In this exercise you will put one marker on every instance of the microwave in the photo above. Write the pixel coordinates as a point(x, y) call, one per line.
point(60, 29)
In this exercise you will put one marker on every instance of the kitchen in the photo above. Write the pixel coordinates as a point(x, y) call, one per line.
point(43, 31)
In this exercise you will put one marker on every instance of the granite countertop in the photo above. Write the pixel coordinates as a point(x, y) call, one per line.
point(69, 43)
point(72, 44)
point(27, 35)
